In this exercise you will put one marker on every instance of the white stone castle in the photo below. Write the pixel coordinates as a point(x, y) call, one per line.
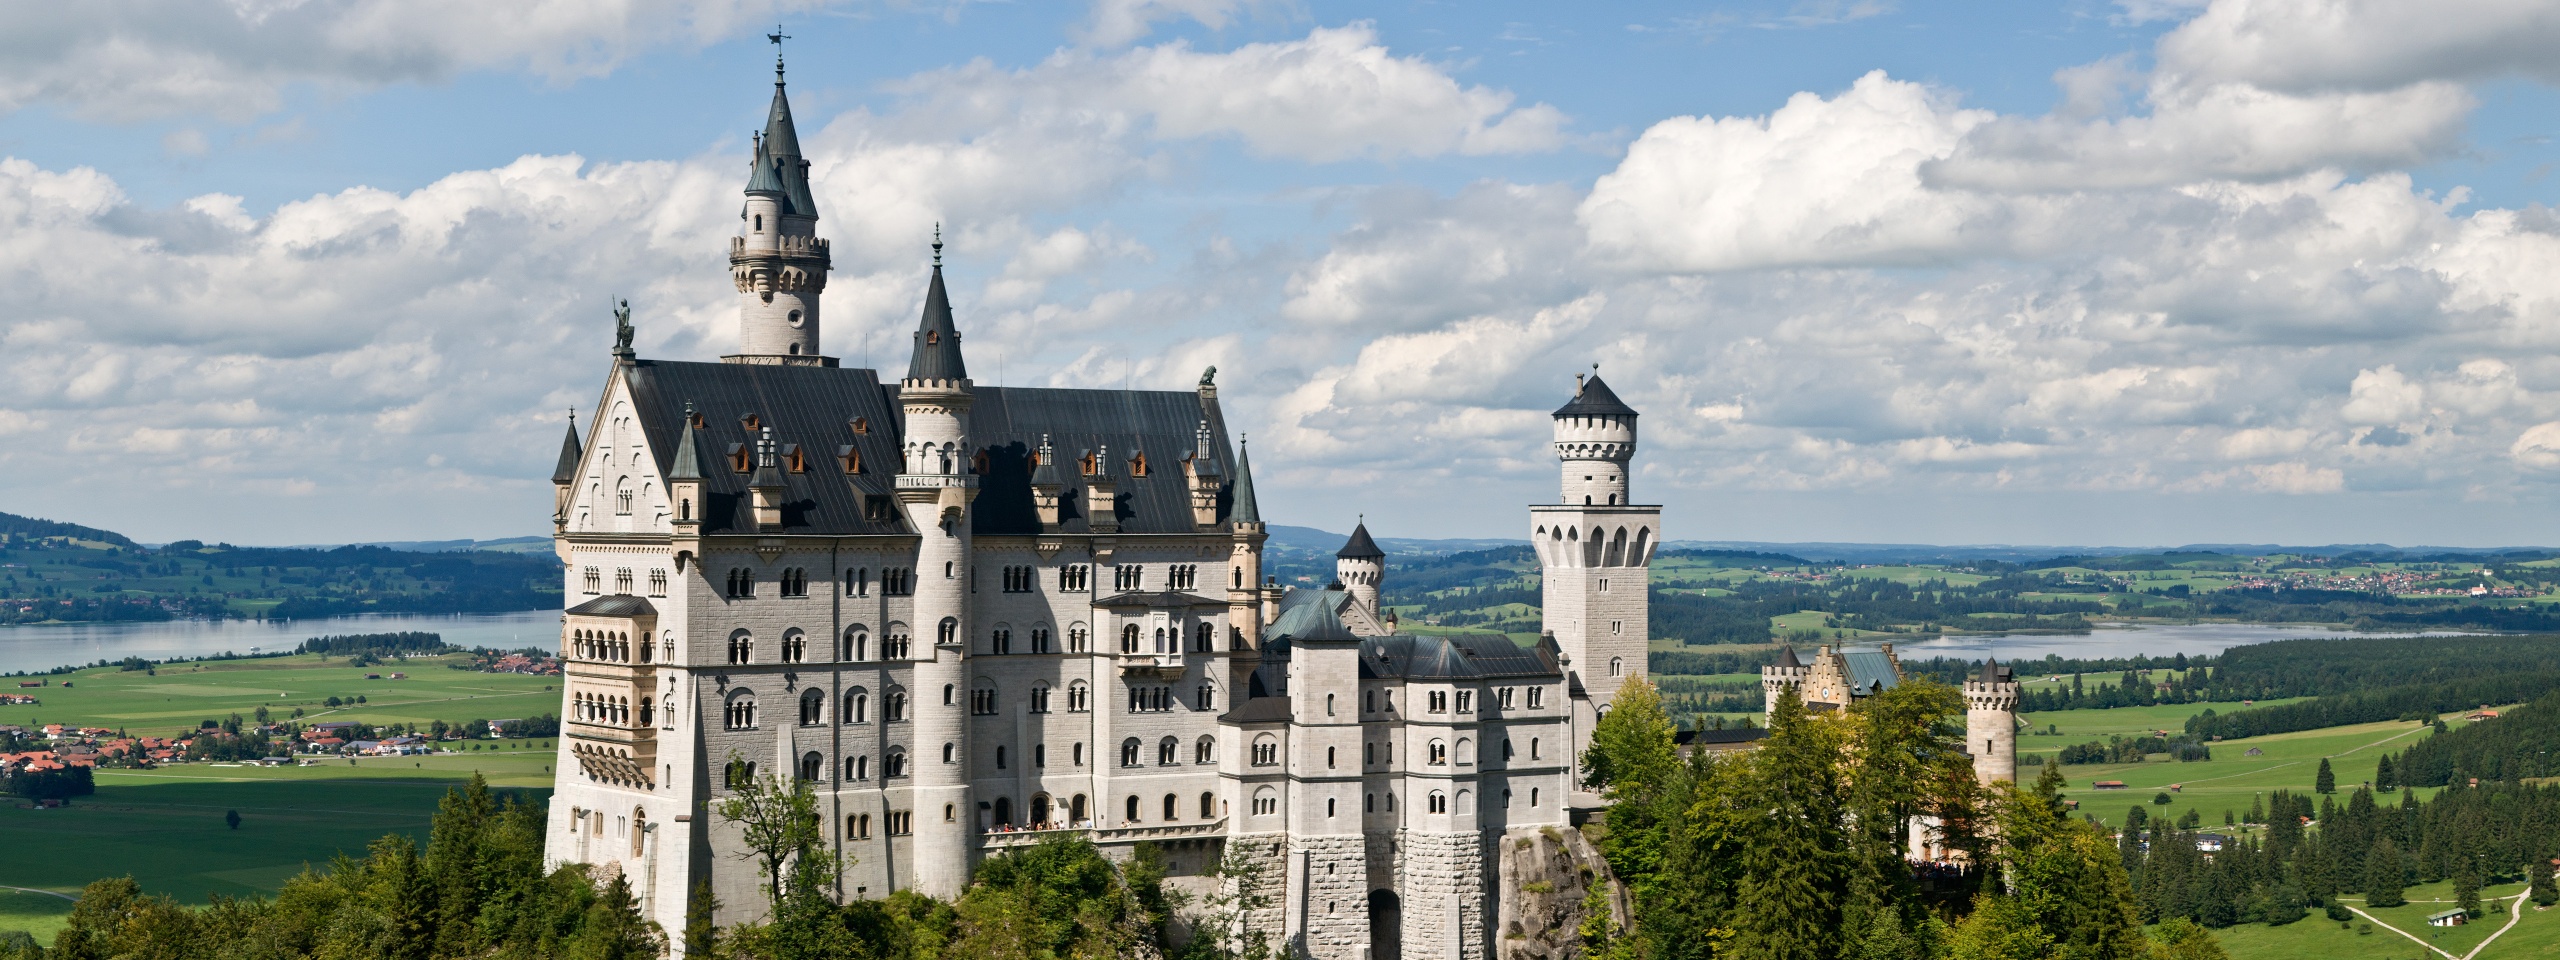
point(972, 617)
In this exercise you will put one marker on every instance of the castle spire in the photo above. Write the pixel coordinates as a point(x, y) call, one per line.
point(1245, 510)
point(777, 260)
point(570, 452)
point(937, 355)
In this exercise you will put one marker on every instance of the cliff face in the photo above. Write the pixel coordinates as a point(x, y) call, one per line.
point(1546, 876)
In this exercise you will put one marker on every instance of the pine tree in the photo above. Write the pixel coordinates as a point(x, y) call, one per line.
point(2466, 886)
point(2545, 892)
point(1794, 870)
point(2384, 778)
point(2326, 781)
point(701, 934)
point(2383, 875)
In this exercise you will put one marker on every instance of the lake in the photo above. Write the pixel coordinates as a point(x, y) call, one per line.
point(2159, 640)
point(45, 646)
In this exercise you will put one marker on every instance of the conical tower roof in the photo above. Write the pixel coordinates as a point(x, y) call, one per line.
point(1595, 399)
point(570, 453)
point(1360, 546)
point(937, 355)
point(688, 465)
point(1787, 658)
point(1244, 509)
point(779, 168)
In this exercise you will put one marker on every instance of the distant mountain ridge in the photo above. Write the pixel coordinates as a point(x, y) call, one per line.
point(17, 526)
point(1316, 540)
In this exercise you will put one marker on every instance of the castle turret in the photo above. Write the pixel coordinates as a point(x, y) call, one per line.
point(1991, 723)
point(1361, 566)
point(1785, 673)
point(935, 490)
point(777, 259)
point(1245, 615)
point(1595, 552)
point(564, 476)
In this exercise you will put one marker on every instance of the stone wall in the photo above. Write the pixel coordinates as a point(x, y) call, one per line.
point(1444, 896)
point(1260, 882)
point(1334, 907)
point(1544, 877)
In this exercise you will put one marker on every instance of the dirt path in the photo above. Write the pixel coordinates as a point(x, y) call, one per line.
point(2515, 912)
point(49, 893)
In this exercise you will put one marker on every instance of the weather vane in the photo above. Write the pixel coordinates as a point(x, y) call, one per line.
point(776, 37)
point(937, 243)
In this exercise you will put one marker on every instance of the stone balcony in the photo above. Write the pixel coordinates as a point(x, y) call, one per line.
point(1018, 839)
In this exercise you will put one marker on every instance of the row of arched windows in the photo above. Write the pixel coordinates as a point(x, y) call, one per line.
point(601, 709)
point(1169, 751)
point(1602, 548)
point(607, 645)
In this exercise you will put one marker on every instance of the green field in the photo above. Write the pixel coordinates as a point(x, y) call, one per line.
point(185, 694)
point(2229, 781)
point(2537, 934)
point(165, 827)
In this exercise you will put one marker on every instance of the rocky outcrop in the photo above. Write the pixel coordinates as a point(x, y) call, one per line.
point(1546, 875)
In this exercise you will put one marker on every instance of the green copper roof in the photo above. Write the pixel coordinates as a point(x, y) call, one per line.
point(1245, 510)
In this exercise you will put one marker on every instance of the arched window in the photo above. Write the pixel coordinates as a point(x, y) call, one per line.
point(648, 711)
point(1205, 750)
point(1000, 640)
point(1439, 753)
point(1439, 802)
point(1167, 750)
point(1075, 808)
point(1533, 748)
point(1076, 638)
point(1129, 752)
point(813, 710)
point(1466, 751)
point(1040, 638)
point(1079, 697)
point(948, 631)
point(813, 766)
point(857, 705)
point(1328, 807)
point(741, 711)
point(1208, 805)
point(1129, 638)
point(950, 693)
point(1617, 665)
point(982, 697)
point(1266, 802)
point(1266, 750)
point(951, 753)
point(1172, 808)
point(999, 756)
point(1203, 637)
point(1533, 796)
point(857, 644)
point(857, 768)
point(894, 710)
point(1040, 696)
point(1133, 810)
point(896, 765)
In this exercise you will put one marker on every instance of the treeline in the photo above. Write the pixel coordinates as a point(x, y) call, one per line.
point(2317, 667)
point(1868, 604)
point(62, 784)
point(376, 643)
point(2512, 747)
point(478, 891)
point(2123, 749)
point(2417, 701)
point(1796, 849)
point(2363, 848)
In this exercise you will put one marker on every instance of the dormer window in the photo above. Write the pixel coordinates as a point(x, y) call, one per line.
point(850, 457)
point(1087, 464)
point(1138, 465)
point(751, 421)
point(932, 337)
point(738, 459)
point(793, 458)
point(862, 426)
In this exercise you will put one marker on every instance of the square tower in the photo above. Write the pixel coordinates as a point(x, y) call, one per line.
point(1595, 553)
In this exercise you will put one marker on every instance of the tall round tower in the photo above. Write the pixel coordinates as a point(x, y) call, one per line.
point(777, 259)
point(935, 488)
point(1360, 565)
point(1991, 723)
point(1595, 439)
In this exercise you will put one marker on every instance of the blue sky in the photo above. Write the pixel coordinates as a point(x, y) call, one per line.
point(2148, 272)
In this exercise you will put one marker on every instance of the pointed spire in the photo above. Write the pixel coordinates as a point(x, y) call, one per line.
point(1361, 547)
point(688, 465)
point(937, 355)
point(1245, 509)
point(779, 167)
point(570, 453)
point(1592, 398)
point(1787, 658)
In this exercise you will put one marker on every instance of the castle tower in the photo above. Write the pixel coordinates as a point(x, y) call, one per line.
point(935, 487)
point(1991, 723)
point(1787, 673)
point(1244, 586)
point(777, 258)
point(1328, 868)
point(1595, 551)
point(1361, 567)
point(564, 477)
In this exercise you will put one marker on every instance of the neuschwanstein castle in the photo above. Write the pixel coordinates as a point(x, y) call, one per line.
point(972, 617)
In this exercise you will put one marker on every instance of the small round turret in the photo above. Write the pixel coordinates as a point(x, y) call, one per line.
point(1361, 566)
point(1991, 723)
point(1786, 673)
point(1595, 438)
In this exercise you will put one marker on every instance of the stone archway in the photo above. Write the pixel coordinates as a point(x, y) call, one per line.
point(1386, 925)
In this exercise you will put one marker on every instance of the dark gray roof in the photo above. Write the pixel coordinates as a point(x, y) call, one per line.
point(1992, 672)
point(1245, 510)
point(815, 408)
point(1595, 399)
point(614, 605)
point(1360, 547)
point(1158, 600)
point(765, 177)
point(1267, 709)
point(1787, 657)
point(937, 355)
point(1312, 623)
point(1463, 656)
point(570, 451)
point(1727, 735)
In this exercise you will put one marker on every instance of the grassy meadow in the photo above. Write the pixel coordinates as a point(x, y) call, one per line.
point(2229, 781)
point(182, 695)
